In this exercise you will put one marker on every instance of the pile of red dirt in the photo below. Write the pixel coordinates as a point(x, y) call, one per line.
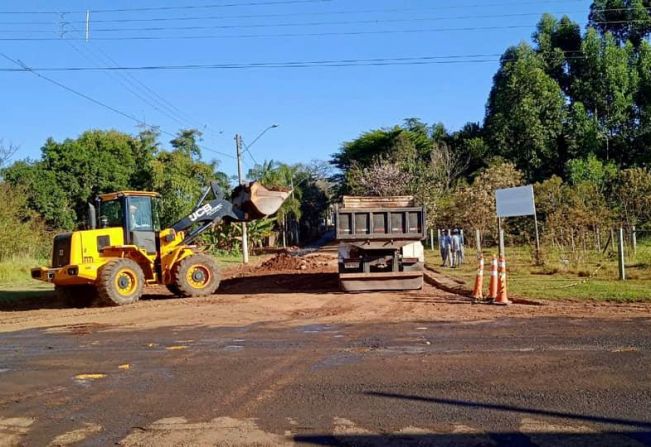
point(284, 262)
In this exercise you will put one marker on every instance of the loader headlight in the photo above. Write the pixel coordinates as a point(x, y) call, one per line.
point(73, 271)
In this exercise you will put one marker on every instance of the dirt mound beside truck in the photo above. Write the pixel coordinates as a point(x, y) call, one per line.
point(287, 262)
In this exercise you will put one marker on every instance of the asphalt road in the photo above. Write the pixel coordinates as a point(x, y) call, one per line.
point(530, 382)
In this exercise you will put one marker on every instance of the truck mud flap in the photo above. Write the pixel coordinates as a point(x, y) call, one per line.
point(364, 282)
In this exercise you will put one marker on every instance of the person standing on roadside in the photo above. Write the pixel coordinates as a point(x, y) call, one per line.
point(462, 253)
point(455, 248)
point(444, 245)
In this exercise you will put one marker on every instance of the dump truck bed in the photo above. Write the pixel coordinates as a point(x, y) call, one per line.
point(379, 243)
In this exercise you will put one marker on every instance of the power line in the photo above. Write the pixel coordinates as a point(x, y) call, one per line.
point(172, 8)
point(331, 23)
point(300, 24)
point(263, 64)
point(287, 35)
point(137, 88)
point(299, 14)
point(119, 76)
point(255, 162)
point(265, 25)
point(152, 98)
point(417, 60)
point(281, 35)
point(96, 101)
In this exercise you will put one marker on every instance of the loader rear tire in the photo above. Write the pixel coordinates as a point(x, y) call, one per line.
point(196, 275)
point(76, 296)
point(120, 282)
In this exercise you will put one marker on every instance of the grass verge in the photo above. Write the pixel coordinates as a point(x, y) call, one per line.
point(556, 280)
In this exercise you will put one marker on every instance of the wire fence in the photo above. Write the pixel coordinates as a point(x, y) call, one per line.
point(572, 255)
point(637, 254)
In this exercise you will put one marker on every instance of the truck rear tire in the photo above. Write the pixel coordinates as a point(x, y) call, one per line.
point(196, 275)
point(120, 282)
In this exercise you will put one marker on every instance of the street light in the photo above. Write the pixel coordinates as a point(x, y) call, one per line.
point(238, 148)
point(273, 126)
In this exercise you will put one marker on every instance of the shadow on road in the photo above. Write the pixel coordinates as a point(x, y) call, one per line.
point(18, 300)
point(510, 408)
point(281, 283)
point(634, 432)
point(26, 300)
point(512, 439)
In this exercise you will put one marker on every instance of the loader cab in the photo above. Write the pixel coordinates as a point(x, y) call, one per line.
point(137, 213)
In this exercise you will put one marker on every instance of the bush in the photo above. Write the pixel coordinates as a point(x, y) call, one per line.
point(22, 232)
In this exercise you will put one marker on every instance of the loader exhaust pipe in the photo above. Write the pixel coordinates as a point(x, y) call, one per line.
point(92, 216)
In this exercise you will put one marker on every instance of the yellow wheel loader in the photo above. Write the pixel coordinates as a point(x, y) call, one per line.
point(125, 249)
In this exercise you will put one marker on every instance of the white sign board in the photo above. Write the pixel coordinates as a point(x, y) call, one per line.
point(513, 202)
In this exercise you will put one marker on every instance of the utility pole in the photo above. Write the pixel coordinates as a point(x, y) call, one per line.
point(245, 235)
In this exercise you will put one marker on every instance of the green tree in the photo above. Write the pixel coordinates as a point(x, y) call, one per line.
point(180, 176)
point(592, 170)
point(70, 173)
point(558, 43)
point(145, 149)
point(366, 148)
point(633, 196)
point(626, 20)
point(474, 205)
point(643, 104)
point(21, 230)
point(607, 82)
point(469, 144)
point(96, 162)
point(310, 198)
point(525, 114)
point(44, 194)
point(382, 143)
point(582, 134)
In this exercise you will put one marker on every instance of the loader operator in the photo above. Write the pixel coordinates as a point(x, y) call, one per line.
point(135, 221)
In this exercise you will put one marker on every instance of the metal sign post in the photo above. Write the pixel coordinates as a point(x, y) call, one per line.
point(513, 202)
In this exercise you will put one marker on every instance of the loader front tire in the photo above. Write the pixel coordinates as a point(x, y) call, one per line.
point(120, 282)
point(196, 275)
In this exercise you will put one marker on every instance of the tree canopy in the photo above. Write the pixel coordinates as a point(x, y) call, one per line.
point(70, 173)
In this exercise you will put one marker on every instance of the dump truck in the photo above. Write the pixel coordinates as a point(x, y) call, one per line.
point(125, 249)
point(380, 244)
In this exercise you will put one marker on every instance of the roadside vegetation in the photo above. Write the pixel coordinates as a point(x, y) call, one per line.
point(569, 112)
point(593, 276)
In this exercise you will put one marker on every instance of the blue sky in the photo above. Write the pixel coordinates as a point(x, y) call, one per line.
point(316, 108)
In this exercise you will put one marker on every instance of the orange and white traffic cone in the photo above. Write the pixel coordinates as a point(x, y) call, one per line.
point(502, 298)
point(492, 286)
point(477, 292)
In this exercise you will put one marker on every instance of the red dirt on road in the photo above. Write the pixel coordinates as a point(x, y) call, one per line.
point(275, 292)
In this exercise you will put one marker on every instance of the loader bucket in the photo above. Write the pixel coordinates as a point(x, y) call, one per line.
point(256, 201)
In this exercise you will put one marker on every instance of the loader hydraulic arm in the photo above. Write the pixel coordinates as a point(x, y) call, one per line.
point(249, 201)
point(207, 213)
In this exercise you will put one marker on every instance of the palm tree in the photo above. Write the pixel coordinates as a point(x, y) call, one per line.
point(280, 175)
